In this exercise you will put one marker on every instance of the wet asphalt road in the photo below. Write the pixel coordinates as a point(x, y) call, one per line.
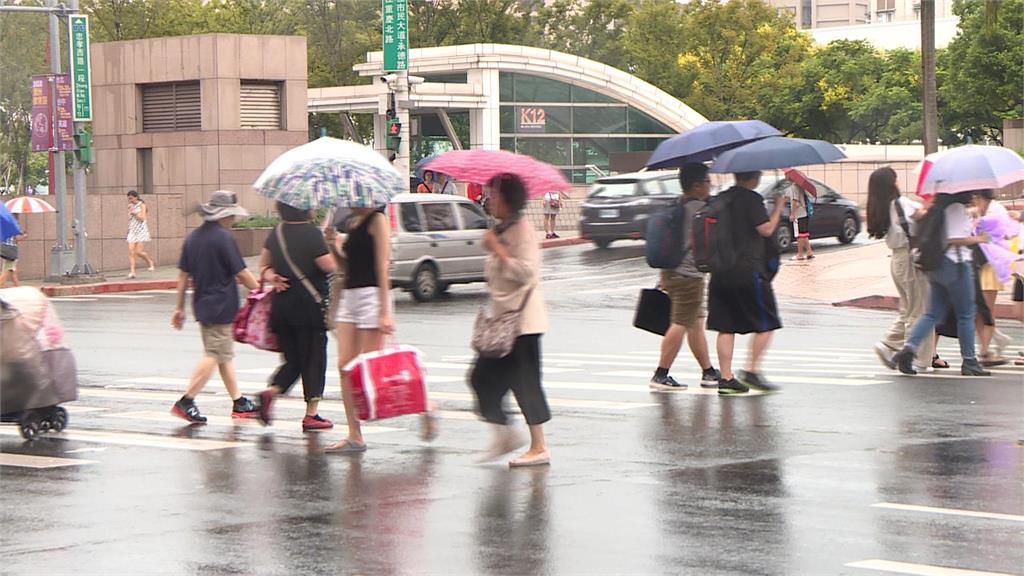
point(850, 470)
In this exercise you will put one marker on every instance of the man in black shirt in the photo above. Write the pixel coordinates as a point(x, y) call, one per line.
point(741, 300)
point(212, 260)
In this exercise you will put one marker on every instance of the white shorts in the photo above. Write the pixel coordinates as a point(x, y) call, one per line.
point(360, 306)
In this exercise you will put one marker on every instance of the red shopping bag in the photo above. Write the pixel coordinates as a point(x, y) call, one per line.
point(388, 383)
point(252, 323)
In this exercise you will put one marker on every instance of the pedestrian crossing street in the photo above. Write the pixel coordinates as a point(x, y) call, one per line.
point(134, 411)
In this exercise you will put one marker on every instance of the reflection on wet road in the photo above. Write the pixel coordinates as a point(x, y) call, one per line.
point(850, 470)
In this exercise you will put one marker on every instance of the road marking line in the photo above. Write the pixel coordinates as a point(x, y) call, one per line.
point(333, 375)
point(29, 461)
point(84, 450)
point(72, 299)
point(918, 569)
point(280, 425)
point(558, 402)
point(134, 439)
point(949, 511)
point(852, 381)
point(634, 288)
point(121, 296)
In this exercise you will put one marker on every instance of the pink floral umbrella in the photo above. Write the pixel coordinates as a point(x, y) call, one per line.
point(479, 166)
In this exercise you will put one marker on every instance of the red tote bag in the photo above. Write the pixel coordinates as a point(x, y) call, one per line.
point(252, 323)
point(388, 383)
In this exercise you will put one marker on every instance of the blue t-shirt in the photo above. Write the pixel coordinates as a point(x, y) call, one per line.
point(211, 257)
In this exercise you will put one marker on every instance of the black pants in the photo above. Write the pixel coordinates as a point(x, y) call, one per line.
point(305, 354)
point(519, 372)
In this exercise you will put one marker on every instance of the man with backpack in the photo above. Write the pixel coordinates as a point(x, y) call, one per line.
point(942, 248)
point(685, 287)
point(740, 297)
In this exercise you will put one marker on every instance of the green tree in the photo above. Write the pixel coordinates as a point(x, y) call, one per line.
point(339, 33)
point(496, 21)
point(590, 28)
point(133, 19)
point(280, 17)
point(22, 54)
point(738, 54)
point(981, 71)
point(653, 43)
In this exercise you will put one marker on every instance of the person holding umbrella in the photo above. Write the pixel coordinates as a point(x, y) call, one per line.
point(9, 256)
point(426, 185)
point(13, 234)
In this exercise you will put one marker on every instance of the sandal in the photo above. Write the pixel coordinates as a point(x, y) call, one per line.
point(989, 360)
point(939, 362)
point(542, 459)
point(346, 446)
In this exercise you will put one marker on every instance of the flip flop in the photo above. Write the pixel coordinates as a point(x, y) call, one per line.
point(939, 362)
point(540, 460)
point(347, 447)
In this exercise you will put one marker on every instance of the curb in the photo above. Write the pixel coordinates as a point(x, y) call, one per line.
point(108, 287)
point(1003, 311)
point(59, 290)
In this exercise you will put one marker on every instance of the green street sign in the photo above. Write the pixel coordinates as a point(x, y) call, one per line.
point(81, 74)
point(395, 34)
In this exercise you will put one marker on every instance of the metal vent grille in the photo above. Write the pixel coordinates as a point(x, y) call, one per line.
point(171, 107)
point(260, 105)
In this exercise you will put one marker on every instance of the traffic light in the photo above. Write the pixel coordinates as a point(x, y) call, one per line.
point(83, 147)
point(394, 134)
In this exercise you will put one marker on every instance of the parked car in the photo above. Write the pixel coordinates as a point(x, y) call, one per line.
point(834, 216)
point(617, 207)
point(436, 241)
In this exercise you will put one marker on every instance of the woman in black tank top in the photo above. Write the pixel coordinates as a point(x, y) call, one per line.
point(364, 313)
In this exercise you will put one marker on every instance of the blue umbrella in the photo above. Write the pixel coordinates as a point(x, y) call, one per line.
point(8, 225)
point(776, 152)
point(706, 141)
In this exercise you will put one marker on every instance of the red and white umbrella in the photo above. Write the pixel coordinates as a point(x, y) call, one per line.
point(800, 179)
point(967, 168)
point(28, 205)
point(479, 166)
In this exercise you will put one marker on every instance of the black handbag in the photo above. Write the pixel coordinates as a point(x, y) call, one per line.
point(9, 252)
point(653, 311)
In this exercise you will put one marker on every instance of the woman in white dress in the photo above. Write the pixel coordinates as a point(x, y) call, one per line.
point(138, 232)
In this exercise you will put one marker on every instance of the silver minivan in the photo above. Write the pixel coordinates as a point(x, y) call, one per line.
point(436, 241)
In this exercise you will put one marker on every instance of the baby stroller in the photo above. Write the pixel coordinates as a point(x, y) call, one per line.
point(37, 373)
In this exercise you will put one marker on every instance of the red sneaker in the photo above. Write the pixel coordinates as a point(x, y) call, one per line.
point(316, 423)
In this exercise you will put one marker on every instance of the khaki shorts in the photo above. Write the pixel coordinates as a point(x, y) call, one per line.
point(218, 342)
point(989, 280)
point(8, 265)
point(687, 295)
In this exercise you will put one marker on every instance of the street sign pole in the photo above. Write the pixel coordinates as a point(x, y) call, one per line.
point(60, 255)
point(395, 41)
point(81, 89)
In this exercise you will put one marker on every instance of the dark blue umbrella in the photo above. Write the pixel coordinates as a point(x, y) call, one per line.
point(706, 141)
point(776, 152)
point(8, 225)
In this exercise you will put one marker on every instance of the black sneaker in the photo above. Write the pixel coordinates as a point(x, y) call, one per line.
point(244, 408)
point(904, 360)
point(731, 386)
point(755, 381)
point(709, 378)
point(666, 383)
point(188, 411)
point(973, 368)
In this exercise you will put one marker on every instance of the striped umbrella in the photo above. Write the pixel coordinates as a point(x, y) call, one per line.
point(329, 173)
point(28, 205)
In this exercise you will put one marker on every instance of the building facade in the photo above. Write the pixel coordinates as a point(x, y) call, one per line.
point(176, 118)
point(832, 13)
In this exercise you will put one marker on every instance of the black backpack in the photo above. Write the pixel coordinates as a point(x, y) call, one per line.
point(714, 249)
point(665, 236)
point(929, 243)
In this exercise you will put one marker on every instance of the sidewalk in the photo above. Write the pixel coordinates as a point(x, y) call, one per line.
point(857, 277)
point(166, 277)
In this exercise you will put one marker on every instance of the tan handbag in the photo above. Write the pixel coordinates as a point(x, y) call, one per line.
point(494, 337)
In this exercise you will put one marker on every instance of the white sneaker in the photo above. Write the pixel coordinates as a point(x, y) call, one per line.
point(885, 354)
point(924, 369)
point(1002, 341)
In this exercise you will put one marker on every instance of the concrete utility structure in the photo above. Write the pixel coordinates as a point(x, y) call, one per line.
point(569, 111)
point(176, 118)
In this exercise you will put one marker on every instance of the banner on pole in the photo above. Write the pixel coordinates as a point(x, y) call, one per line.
point(395, 34)
point(81, 73)
point(65, 122)
point(42, 112)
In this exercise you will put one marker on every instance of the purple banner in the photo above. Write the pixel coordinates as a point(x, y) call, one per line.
point(65, 123)
point(43, 88)
point(42, 129)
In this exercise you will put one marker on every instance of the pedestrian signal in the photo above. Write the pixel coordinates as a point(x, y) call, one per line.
point(83, 147)
point(394, 134)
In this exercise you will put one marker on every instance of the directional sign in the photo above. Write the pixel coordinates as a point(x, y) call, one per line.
point(81, 73)
point(395, 34)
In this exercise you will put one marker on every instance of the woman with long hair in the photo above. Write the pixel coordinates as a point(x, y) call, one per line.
point(513, 283)
point(892, 216)
point(296, 262)
point(138, 232)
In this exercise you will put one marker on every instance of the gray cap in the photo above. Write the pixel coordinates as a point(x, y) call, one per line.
point(222, 204)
